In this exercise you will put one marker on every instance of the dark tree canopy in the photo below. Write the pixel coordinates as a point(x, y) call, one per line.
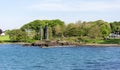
point(115, 27)
point(0, 31)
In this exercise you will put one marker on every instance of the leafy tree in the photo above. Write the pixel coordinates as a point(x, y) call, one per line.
point(94, 32)
point(77, 29)
point(115, 27)
point(36, 24)
point(57, 30)
point(105, 30)
point(69, 31)
point(7, 32)
point(99, 28)
point(94, 29)
point(18, 35)
point(52, 23)
point(57, 26)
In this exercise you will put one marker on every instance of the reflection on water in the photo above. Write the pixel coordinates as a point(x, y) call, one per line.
point(17, 57)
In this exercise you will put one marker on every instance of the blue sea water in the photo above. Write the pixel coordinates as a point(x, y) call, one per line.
point(18, 57)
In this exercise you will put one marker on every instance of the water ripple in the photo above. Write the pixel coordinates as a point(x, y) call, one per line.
point(17, 57)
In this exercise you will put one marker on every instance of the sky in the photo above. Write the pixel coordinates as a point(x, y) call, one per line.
point(16, 13)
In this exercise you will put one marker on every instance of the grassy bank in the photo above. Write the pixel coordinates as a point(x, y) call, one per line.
point(88, 40)
point(98, 41)
point(4, 38)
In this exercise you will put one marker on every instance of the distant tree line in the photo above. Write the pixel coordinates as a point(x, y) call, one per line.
point(58, 29)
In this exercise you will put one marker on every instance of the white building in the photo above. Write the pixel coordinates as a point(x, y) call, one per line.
point(112, 35)
point(3, 34)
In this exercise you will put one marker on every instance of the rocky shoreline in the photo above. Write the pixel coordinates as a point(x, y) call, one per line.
point(49, 44)
point(52, 44)
point(67, 44)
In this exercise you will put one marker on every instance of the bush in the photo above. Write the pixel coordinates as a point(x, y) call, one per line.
point(18, 35)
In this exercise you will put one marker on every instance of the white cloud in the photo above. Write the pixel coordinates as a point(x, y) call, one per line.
point(76, 6)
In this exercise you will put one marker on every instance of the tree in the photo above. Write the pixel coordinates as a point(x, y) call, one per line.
point(18, 35)
point(69, 31)
point(7, 32)
point(99, 29)
point(36, 24)
point(57, 30)
point(115, 27)
point(94, 32)
point(105, 30)
point(77, 29)
point(0, 31)
point(57, 26)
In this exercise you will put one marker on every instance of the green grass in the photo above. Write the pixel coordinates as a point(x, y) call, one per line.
point(112, 41)
point(4, 38)
point(72, 39)
point(90, 41)
point(109, 41)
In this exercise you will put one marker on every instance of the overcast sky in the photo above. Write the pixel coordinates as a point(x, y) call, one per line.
point(15, 13)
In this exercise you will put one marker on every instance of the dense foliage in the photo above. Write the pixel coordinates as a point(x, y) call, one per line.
point(55, 27)
point(94, 29)
point(58, 30)
point(0, 31)
point(18, 35)
point(115, 27)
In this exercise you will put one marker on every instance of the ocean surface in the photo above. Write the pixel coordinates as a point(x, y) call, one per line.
point(18, 57)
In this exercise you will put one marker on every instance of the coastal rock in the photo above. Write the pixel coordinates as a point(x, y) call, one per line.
point(52, 43)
